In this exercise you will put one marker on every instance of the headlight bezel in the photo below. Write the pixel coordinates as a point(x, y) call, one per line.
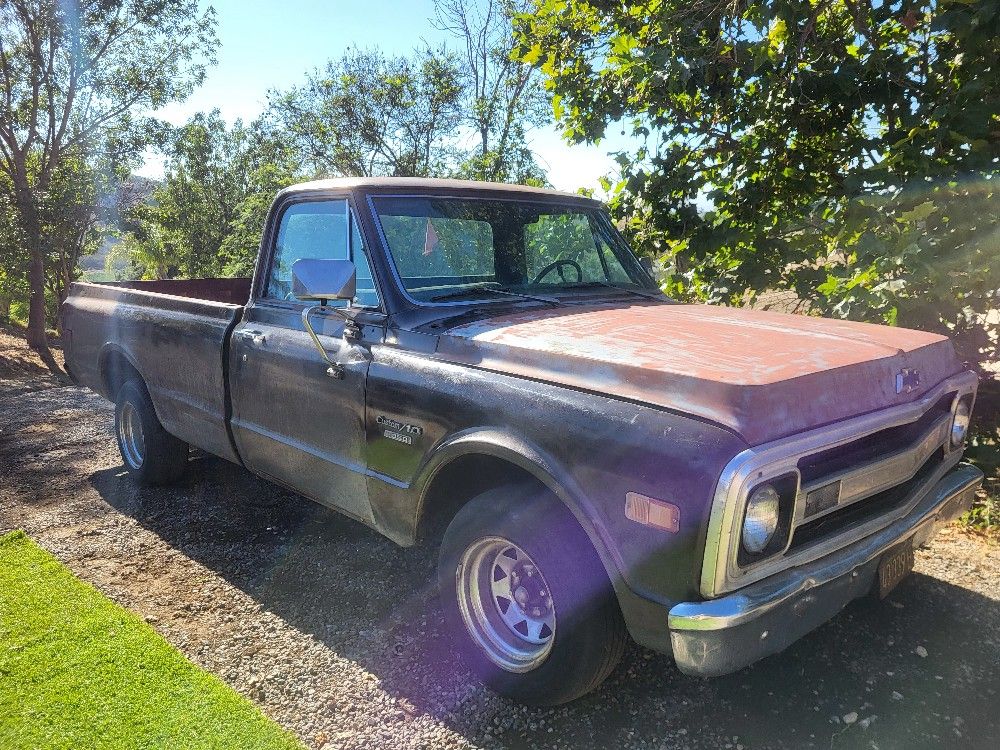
point(786, 486)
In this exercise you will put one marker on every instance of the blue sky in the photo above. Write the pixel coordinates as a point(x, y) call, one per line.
point(265, 45)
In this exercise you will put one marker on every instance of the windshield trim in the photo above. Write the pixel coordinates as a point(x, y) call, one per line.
point(586, 204)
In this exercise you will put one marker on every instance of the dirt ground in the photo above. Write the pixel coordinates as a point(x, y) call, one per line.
point(336, 633)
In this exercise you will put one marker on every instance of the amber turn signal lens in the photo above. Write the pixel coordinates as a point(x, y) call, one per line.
point(651, 512)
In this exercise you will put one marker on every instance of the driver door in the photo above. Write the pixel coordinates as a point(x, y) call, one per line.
point(292, 421)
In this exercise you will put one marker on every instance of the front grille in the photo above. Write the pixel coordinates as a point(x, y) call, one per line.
point(853, 483)
point(871, 447)
point(863, 511)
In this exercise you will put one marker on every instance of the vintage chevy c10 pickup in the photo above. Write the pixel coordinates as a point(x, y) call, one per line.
point(491, 366)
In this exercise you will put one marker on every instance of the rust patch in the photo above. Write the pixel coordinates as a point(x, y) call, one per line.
point(764, 374)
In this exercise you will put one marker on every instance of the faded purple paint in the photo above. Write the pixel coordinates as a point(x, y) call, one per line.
point(765, 375)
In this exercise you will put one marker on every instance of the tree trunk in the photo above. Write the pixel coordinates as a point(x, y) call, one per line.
point(4, 309)
point(36, 303)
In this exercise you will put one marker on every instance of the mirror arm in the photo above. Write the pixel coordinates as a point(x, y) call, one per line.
point(334, 370)
point(352, 331)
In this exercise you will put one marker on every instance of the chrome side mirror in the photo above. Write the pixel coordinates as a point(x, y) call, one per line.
point(321, 280)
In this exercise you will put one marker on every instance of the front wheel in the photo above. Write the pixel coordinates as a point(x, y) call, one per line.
point(527, 599)
point(150, 453)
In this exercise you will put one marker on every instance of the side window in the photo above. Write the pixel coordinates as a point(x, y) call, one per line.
point(318, 229)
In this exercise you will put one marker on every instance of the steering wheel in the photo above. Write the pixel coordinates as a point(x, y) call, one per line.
point(557, 265)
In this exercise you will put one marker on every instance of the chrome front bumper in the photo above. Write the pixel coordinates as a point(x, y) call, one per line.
point(720, 636)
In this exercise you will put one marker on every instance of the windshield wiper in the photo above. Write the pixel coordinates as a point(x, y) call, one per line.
point(584, 284)
point(480, 288)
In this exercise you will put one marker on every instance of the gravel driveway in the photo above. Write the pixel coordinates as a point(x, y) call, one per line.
point(335, 632)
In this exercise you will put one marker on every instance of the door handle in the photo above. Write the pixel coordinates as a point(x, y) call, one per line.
point(257, 338)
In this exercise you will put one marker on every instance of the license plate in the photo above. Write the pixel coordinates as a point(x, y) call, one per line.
point(894, 567)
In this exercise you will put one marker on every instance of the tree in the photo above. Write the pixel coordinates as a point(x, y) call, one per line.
point(368, 114)
point(206, 217)
point(15, 261)
point(73, 221)
point(504, 96)
point(846, 150)
point(75, 78)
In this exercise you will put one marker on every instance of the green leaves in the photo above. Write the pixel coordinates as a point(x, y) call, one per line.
point(918, 213)
point(847, 153)
point(367, 113)
point(77, 83)
point(206, 217)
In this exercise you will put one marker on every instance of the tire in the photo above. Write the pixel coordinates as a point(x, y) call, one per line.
point(151, 454)
point(523, 541)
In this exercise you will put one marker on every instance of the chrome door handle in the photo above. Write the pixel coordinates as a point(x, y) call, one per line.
point(257, 338)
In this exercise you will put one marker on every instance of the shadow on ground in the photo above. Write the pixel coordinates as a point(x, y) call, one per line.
point(375, 603)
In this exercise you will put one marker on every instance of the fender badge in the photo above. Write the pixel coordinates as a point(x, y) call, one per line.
point(907, 380)
point(398, 431)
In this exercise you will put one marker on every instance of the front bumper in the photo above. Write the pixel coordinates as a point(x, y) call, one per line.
point(720, 636)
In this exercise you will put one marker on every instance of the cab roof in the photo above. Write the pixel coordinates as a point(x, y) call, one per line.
point(430, 185)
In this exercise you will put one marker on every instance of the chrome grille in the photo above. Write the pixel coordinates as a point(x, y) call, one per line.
point(880, 473)
point(842, 518)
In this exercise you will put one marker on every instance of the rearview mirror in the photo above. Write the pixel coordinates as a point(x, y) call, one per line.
point(320, 280)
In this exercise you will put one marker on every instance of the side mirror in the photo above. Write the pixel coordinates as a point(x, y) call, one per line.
point(320, 280)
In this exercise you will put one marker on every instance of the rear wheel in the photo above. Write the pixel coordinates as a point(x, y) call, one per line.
point(151, 454)
point(527, 599)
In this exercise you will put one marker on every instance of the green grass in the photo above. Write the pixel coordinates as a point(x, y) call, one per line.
point(78, 671)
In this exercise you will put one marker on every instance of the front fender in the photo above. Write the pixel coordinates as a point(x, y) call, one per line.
point(526, 455)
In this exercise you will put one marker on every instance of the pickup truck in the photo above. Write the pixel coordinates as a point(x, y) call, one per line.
point(490, 366)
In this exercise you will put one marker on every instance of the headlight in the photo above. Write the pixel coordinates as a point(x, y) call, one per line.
point(761, 521)
point(960, 423)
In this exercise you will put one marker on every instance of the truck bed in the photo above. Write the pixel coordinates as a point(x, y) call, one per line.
point(175, 333)
point(230, 291)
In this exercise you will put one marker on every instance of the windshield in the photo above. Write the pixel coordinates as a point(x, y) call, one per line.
point(454, 248)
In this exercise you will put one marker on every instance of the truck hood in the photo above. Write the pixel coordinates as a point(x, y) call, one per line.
point(764, 375)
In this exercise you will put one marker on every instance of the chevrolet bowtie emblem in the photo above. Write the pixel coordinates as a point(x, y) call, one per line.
point(907, 380)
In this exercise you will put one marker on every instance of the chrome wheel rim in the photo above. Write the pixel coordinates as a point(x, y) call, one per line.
point(506, 604)
point(130, 436)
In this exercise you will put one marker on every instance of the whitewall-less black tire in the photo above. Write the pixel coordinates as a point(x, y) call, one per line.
point(151, 454)
point(526, 599)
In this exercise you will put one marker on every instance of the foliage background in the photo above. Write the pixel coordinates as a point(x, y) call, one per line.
point(439, 111)
point(844, 150)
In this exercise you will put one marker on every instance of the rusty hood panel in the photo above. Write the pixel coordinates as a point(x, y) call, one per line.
point(764, 375)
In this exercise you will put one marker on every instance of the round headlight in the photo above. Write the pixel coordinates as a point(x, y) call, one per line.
point(763, 510)
point(960, 423)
